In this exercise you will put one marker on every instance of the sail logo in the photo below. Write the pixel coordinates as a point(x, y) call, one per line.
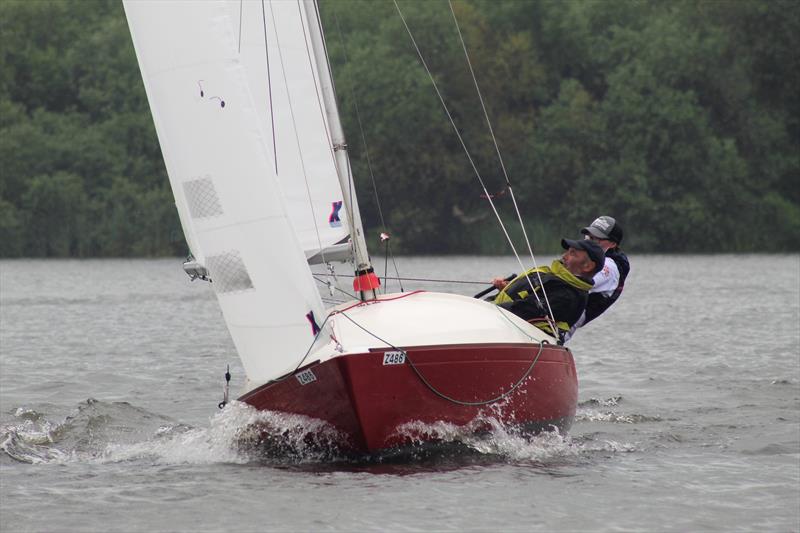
point(334, 219)
point(313, 321)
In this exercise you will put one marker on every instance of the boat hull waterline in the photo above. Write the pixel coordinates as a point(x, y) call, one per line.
point(374, 398)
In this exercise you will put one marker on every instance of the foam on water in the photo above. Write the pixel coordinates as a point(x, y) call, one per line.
point(593, 415)
point(597, 410)
point(115, 432)
point(488, 436)
point(108, 432)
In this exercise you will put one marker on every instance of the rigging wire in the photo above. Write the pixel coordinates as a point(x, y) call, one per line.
point(324, 282)
point(502, 166)
point(269, 76)
point(455, 129)
point(429, 280)
point(469, 157)
point(241, 5)
point(366, 149)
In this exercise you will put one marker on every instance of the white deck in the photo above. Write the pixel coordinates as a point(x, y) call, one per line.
point(405, 320)
point(425, 319)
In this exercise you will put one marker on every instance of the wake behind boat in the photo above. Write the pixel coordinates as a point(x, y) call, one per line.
point(244, 107)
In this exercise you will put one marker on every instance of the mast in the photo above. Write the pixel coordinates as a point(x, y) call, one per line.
point(365, 281)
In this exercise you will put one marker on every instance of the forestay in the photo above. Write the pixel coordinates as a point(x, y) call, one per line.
point(222, 172)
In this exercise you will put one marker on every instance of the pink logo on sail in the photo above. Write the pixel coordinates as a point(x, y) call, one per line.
point(334, 219)
point(314, 327)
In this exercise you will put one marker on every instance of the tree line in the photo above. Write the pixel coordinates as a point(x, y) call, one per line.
point(681, 119)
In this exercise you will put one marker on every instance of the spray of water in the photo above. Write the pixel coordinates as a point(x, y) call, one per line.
point(115, 432)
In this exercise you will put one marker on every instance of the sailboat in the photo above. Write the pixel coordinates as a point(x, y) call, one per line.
point(243, 103)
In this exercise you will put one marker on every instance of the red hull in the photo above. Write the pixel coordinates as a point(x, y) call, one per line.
point(368, 400)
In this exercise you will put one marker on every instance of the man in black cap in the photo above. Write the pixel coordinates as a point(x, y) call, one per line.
point(566, 284)
point(610, 281)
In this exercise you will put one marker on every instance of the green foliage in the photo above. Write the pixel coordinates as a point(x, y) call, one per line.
point(55, 207)
point(680, 118)
point(676, 118)
point(10, 230)
point(82, 173)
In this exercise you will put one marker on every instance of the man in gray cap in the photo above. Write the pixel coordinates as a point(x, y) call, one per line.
point(565, 283)
point(610, 281)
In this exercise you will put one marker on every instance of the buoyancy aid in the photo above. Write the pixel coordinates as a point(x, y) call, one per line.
point(523, 285)
point(598, 303)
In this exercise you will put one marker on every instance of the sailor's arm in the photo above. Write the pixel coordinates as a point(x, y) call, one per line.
point(499, 283)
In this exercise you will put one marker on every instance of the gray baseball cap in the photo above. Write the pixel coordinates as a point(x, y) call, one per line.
point(604, 227)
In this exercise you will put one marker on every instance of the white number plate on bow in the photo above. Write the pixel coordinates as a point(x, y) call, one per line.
point(305, 377)
point(394, 358)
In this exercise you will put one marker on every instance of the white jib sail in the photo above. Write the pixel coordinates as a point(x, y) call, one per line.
point(273, 42)
point(221, 169)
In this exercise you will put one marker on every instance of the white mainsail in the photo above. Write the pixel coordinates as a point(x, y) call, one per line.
point(274, 41)
point(222, 171)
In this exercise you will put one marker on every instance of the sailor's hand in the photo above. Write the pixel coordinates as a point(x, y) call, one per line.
point(499, 283)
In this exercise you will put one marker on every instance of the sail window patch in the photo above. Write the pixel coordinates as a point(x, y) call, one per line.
point(202, 198)
point(334, 219)
point(229, 272)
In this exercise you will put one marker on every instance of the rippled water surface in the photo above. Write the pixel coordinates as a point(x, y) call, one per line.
point(689, 415)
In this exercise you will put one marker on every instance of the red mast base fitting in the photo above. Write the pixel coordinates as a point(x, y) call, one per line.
point(366, 280)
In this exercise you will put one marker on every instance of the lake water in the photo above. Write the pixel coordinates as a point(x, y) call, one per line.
point(689, 415)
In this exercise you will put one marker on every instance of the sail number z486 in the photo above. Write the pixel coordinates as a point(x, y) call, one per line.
point(394, 358)
point(305, 377)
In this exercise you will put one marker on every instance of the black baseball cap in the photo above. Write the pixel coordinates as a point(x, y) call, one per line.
point(604, 227)
point(592, 249)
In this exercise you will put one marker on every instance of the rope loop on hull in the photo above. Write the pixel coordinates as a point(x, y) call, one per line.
point(480, 403)
point(441, 394)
